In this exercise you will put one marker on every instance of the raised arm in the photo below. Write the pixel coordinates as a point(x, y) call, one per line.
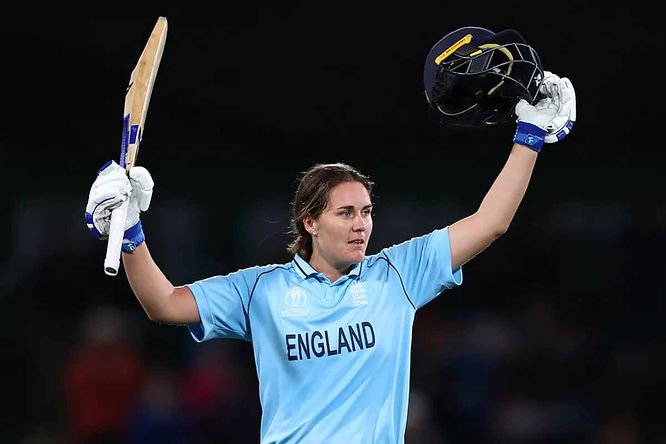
point(471, 235)
point(161, 300)
point(549, 121)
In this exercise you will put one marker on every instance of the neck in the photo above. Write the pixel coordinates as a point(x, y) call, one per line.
point(330, 271)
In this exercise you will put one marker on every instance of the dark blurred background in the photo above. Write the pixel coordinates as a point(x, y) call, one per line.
point(556, 334)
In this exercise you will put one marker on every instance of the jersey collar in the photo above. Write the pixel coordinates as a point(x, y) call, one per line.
point(305, 270)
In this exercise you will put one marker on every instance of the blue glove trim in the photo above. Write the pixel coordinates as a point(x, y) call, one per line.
point(103, 167)
point(530, 135)
point(89, 222)
point(133, 238)
point(567, 129)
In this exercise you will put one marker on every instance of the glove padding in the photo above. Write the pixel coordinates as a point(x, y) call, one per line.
point(551, 118)
point(110, 189)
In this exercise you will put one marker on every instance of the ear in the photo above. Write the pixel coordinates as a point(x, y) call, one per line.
point(310, 224)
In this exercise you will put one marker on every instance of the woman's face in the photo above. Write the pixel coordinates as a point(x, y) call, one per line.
point(341, 233)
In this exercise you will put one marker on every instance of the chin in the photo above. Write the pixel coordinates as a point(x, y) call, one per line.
point(357, 257)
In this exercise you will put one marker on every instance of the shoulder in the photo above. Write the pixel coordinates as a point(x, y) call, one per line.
point(251, 273)
point(376, 260)
point(260, 270)
point(412, 247)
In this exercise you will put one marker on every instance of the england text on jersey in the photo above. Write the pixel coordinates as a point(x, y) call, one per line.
point(317, 344)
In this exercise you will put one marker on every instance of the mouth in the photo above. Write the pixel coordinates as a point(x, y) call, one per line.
point(357, 242)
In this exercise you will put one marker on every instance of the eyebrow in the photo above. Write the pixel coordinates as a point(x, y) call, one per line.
point(351, 207)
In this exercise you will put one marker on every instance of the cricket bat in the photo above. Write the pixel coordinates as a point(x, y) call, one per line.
point(137, 98)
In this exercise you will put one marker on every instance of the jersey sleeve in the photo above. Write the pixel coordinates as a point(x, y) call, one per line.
point(424, 266)
point(222, 302)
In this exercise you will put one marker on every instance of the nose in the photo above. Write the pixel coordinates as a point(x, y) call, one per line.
point(359, 223)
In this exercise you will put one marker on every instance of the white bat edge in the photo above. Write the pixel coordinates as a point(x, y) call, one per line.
point(115, 241)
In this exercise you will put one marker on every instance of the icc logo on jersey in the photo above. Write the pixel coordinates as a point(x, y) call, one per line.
point(295, 303)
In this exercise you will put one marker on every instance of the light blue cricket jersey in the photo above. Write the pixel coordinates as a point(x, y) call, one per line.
point(333, 359)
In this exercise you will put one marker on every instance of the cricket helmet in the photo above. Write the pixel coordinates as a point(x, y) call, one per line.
point(474, 77)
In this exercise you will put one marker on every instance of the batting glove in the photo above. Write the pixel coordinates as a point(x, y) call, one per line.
point(110, 189)
point(551, 118)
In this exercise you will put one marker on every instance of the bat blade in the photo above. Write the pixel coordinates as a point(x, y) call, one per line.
point(137, 99)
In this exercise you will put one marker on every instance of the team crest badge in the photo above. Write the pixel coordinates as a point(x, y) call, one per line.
point(358, 293)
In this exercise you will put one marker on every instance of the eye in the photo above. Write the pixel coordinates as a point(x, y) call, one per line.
point(346, 213)
point(367, 212)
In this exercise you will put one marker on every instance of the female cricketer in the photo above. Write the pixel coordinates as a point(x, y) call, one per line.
point(331, 330)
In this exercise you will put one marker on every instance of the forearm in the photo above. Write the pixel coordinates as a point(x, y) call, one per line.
point(502, 200)
point(547, 121)
point(149, 284)
point(473, 234)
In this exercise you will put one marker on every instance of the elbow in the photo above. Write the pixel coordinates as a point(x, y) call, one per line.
point(499, 228)
point(492, 226)
point(499, 231)
point(491, 234)
point(153, 316)
point(156, 315)
point(494, 232)
point(157, 307)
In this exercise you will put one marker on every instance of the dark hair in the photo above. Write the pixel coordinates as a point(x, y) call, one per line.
point(311, 198)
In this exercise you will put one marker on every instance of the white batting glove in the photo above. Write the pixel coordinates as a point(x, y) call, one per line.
point(110, 189)
point(550, 119)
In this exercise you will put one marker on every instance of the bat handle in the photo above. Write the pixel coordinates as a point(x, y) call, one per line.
point(114, 244)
